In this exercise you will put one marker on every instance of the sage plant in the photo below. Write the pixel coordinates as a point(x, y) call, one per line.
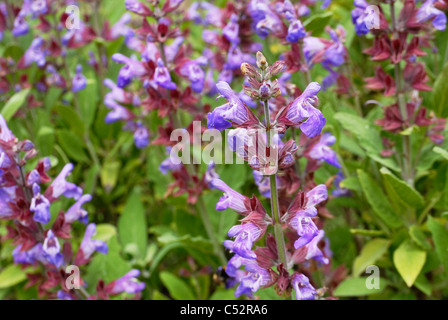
point(261, 148)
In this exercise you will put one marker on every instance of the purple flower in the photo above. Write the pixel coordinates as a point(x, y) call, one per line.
point(265, 19)
point(117, 113)
point(132, 69)
point(213, 14)
point(21, 26)
point(141, 136)
point(34, 254)
point(137, 7)
point(89, 245)
point(230, 199)
point(311, 47)
point(162, 76)
point(79, 81)
point(193, 71)
point(313, 251)
point(35, 53)
point(60, 186)
point(5, 134)
point(322, 151)
point(263, 183)
point(296, 30)
point(62, 295)
point(120, 28)
point(234, 111)
point(39, 7)
point(340, 192)
point(257, 277)
point(76, 212)
point(245, 235)
point(210, 174)
point(168, 164)
point(302, 220)
point(7, 195)
point(40, 206)
point(52, 249)
point(360, 17)
point(428, 12)
point(302, 109)
point(193, 14)
point(234, 264)
point(231, 30)
point(128, 283)
point(304, 290)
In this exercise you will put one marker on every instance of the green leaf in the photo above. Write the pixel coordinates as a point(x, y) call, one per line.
point(441, 151)
point(105, 232)
point(371, 252)
point(177, 288)
point(14, 104)
point(357, 287)
point(378, 201)
point(417, 235)
point(11, 275)
point(13, 51)
point(107, 267)
point(222, 294)
point(351, 183)
point(440, 93)
point(440, 237)
point(132, 224)
point(109, 174)
point(368, 137)
point(409, 261)
point(72, 145)
point(316, 24)
point(401, 191)
point(70, 118)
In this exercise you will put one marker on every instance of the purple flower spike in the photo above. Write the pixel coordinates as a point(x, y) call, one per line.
point(128, 283)
point(162, 76)
point(52, 249)
point(79, 81)
point(304, 290)
point(230, 199)
point(322, 151)
point(256, 278)
point(89, 245)
point(60, 186)
point(40, 206)
point(428, 12)
point(76, 212)
point(245, 235)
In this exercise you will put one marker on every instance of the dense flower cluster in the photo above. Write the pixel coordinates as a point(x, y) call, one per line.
point(298, 213)
point(39, 239)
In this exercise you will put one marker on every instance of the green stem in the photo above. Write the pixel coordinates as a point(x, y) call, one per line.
point(278, 231)
point(408, 172)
